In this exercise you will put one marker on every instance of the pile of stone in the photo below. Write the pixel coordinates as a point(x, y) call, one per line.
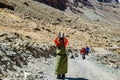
point(14, 51)
point(110, 60)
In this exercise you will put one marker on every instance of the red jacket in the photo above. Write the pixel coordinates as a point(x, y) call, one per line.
point(82, 51)
point(56, 41)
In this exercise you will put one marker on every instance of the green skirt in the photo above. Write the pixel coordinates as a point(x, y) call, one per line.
point(61, 64)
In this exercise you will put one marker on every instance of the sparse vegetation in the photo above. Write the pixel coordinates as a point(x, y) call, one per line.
point(28, 27)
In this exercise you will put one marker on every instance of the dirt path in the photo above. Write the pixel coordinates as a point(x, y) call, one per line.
point(83, 70)
point(86, 70)
point(78, 69)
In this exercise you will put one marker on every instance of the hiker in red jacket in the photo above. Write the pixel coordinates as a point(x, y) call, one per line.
point(82, 52)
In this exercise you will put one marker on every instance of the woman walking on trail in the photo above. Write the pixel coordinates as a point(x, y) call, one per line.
point(61, 62)
point(82, 52)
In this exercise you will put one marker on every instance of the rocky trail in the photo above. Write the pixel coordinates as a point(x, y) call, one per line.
point(84, 70)
point(78, 69)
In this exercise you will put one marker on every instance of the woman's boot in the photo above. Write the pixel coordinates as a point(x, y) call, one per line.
point(63, 76)
point(58, 76)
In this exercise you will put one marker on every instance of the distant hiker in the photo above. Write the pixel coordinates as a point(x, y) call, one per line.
point(87, 49)
point(82, 52)
point(61, 62)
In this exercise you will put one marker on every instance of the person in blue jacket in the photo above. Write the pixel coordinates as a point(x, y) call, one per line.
point(87, 49)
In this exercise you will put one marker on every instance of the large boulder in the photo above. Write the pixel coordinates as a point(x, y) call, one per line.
point(59, 4)
point(5, 4)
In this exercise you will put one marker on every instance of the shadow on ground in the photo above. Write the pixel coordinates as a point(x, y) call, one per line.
point(75, 78)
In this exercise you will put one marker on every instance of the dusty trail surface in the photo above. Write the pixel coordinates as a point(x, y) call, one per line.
point(78, 69)
point(83, 70)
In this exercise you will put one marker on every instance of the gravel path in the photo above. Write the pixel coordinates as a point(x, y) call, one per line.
point(78, 69)
point(83, 70)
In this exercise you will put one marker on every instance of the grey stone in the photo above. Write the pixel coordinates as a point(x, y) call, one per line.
point(3, 34)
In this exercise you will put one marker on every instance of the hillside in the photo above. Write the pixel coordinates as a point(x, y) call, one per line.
point(75, 25)
point(28, 27)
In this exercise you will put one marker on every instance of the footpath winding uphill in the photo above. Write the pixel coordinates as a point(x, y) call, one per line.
point(79, 69)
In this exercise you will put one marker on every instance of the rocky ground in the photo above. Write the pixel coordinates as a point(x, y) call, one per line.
point(88, 69)
point(14, 51)
point(28, 27)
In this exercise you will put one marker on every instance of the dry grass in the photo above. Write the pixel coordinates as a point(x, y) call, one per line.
point(80, 31)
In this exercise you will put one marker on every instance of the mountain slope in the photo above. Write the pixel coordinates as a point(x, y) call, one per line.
point(60, 21)
point(28, 27)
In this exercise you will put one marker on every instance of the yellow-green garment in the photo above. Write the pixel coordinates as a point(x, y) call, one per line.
point(61, 62)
